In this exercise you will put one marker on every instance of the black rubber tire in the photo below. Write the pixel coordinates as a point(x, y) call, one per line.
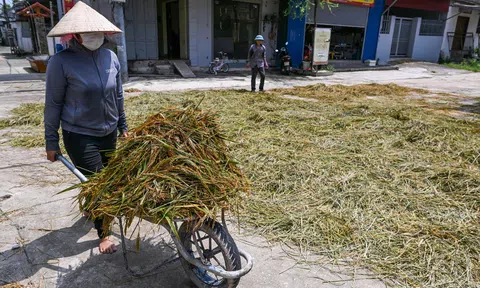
point(210, 69)
point(225, 68)
point(228, 248)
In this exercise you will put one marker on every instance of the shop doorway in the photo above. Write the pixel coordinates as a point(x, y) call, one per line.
point(236, 23)
point(346, 43)
point(401, 37)
point(172, 26)
point(173, 30)
point(460, 33)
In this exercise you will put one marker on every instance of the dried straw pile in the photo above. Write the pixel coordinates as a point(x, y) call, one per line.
point(175, 165)
point(371, 176)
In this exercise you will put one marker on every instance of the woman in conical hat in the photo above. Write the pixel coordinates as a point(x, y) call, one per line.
point(84, 95)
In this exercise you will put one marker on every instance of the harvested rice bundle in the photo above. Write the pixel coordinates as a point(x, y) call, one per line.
point(175, 165)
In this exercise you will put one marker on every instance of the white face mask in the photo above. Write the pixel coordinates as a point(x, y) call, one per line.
point(93, 41)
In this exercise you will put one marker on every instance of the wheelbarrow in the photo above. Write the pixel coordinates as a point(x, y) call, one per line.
point(208, 253)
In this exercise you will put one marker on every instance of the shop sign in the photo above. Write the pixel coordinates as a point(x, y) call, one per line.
point(322, 46)
point(368, 3)
point(68, 4)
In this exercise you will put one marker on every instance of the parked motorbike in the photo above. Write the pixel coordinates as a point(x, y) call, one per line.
point(285, 59)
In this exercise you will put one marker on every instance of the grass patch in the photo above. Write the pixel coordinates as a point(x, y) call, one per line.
point(30, 114)
point(364, 174)
point(27, 121)
point(470, 65)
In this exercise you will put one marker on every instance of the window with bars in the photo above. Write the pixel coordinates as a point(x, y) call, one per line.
point(386, 25)
point(432, 27)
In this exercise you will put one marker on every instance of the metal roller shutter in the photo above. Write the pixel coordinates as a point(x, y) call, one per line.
point(344, 15)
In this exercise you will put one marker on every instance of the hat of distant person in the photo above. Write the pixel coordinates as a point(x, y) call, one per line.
point(259, 38)
point(83, 19)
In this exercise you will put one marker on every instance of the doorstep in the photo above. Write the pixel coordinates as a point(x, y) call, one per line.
point(367, 68)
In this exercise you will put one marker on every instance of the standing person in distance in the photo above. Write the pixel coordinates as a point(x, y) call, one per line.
point(257, 61)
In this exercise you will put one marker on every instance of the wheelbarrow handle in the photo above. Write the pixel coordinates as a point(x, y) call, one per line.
point(71, 167)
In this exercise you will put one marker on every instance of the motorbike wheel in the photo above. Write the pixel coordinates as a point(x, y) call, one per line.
point(217, 247)
point(225, 68)
point(210, 69)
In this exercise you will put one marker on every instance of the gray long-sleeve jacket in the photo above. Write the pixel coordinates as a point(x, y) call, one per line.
point(84, 92)
point(257, 56)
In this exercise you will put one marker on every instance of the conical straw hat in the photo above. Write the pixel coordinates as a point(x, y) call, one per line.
point(83, 19)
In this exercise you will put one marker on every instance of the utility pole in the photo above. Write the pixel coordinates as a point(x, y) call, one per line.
point(121, 45)
point(60, 9)
point(52, 22)
point(313, 34)
point(5, 13)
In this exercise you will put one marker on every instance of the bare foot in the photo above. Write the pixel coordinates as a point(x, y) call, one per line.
point(106, 246)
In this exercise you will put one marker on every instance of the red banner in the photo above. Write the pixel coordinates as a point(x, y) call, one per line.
point(429, 5)
point(67, 5)
point(368, 3)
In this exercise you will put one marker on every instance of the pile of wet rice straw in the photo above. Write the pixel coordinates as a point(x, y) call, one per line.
point(175, 165)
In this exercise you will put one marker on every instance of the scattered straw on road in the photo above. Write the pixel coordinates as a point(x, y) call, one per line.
point(372, 175)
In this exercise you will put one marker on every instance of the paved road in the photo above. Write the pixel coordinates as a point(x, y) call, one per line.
point(18, 83)
point(418, 75)
point(59, 247)
point(10, 64)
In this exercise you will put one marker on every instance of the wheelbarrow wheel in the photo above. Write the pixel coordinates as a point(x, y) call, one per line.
point(218, 249)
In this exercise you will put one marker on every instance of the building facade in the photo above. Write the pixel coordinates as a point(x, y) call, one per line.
point(195, 30)
point(412, 29)
point(354, 30)
point(383, 30)
point(461, 37)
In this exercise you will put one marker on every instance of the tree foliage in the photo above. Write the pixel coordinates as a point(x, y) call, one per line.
point(300, 8)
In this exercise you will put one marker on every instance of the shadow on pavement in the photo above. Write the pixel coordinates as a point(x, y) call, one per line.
point(22, 165)
point(22, 77)
point(109, 270)
point(473, 107)
point(9, 56)
point(30, 70)
point(59, 253)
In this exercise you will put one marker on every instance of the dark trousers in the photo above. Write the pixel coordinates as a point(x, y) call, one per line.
point(90, 154)
point(255, 71)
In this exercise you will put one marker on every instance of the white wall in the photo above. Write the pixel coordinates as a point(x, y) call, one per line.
point(385, 43)
point(472, 27)
point(269, 7)
point(427, 48)
point(416, 23)
point(51, 44)
point(452, 24)
point(25, 43)
point(102, 6)
point(183, 29)
point(424, 48)
point(200, 24)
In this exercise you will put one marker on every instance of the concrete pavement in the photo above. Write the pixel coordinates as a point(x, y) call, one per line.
point(58, 248)
point(418, 75)
point(12, 65)
point(18, 82)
